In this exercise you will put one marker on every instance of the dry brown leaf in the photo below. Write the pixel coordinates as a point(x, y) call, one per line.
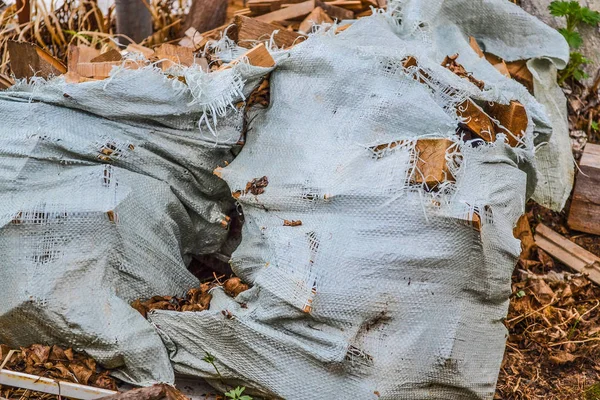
point(562, 358)
point(542, 292)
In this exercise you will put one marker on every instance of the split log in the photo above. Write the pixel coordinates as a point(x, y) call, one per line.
point(259, 56)
point(28, 60)
point(432, 166)
point(335, 12)
point(247, 30)
point(205, 15)
point(476, 121)
point(512, 116)
point(316, 17)
point(568, 252)
point(584, 213)
point(299, 10)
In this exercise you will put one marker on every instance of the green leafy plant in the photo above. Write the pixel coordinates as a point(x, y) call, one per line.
point(236, 394)
point(575, 15)
point(209, 358)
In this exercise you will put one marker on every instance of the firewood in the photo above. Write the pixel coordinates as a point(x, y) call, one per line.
point(101, 70)
point(584, 214)
point(475, 46)
point(498, 63)
point(512, 116)
point(316, 17)
point(5, 82)
point(136, 48)
point(291, 12)
point(431, 166)
point(247, 30)
point(171, 55)
point(259, 56)
point(111, 55)
point(476, 121)
point(259, 7)
point(81, 53)
point(335, 12)
point(352, 5)
point(28, 60)
point(568, 252)
point(519, 72)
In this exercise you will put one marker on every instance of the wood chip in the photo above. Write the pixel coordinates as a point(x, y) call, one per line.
point(259, 56)
point(476, 121)
point(512, 118)
point(431, 166)
point(111, 55)
point(335, 12)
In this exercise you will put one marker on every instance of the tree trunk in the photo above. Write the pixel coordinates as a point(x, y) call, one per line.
point(133, 20)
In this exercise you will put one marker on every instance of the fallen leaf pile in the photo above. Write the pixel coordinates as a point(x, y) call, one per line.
point(52, 362)
point(553, 351)
point(196, 299)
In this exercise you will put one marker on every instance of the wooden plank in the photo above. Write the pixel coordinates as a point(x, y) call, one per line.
point(431, 166)
point(316, 17)
point(259, 7)
point(247, 30)
point(259, 56)
point(291, 12)
point(52, 386)
point(28, 60)
point(568, 252)
point(335, 12)
point(476, 121)
point(512, 116)
point(584, 213)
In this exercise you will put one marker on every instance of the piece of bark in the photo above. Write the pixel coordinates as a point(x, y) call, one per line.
point(476, 121)
point(291, 12)
point(134, 20)
point(568, 252)
point(584, 213)
point(512, 118)
point(335, 12)
point(316, 17)
point(156, 392)
point(259, 56)
point(205, 15)
point(111, 55)
point(28, 60)
point(432, 166)
point(522, 231)
point(248, 30)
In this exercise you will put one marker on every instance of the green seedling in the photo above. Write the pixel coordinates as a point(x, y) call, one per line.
point(575, 15)
point(237, 394)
